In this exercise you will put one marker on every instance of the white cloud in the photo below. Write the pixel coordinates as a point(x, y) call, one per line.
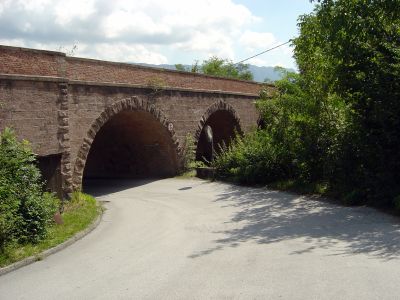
point(68, 11)
point(124, 52)
point(133, 30)
point(257, 62)
point(13, 42)
point(257, 40)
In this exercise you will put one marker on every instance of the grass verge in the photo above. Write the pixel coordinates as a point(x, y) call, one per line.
point(300, 187)
point(78, 214)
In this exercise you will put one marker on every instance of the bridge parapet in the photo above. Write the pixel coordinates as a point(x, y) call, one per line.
point(24, 61)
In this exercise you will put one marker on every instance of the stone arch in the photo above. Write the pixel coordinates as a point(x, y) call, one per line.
point(219, 106)
point(128, 104)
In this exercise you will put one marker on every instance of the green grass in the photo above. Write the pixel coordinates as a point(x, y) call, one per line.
point(300, 187)
point(78, 214)
point(187, 174)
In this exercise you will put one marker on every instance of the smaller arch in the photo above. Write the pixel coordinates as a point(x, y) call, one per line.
point(218, 114)
point(124, 105)
point(220, 105)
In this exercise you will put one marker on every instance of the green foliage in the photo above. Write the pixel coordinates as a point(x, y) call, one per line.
point(24, 210)
point(194, 68)
point(156, 84)
point(78, 214)
point(189, 153)
point(225, 68)
point(337, 121)
point(180, 67)
point(219, 67)
point(298, 141)
point(351, 48)
point(251, 159)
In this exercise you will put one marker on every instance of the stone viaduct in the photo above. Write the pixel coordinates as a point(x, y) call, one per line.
point(88, 118)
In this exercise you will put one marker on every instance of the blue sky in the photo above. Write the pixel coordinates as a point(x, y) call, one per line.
point(279, 18)
point(155, 31)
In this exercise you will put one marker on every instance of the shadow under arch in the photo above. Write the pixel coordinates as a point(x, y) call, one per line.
point(224, 123)
point(130, 139)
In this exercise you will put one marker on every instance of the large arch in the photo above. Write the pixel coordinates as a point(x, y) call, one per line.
point(224, 122)
point(128, 115)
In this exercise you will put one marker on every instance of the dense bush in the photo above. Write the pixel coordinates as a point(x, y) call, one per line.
point(24, 209)
point(252, 158)
point(299, 141)
point(338, 120)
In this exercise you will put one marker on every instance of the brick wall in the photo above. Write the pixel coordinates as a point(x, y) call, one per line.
point(30, 108)
point(22, 61)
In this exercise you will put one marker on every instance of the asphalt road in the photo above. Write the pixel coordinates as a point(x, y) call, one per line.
point(191, 239)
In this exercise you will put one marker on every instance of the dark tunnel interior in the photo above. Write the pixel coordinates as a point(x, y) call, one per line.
point(132, 144)
point(224, 126)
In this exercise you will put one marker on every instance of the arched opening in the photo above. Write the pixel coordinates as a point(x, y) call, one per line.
point(131, 144)
point(224, 125)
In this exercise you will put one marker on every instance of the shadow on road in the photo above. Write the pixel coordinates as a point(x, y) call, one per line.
point(101, 187)
point(266, 217)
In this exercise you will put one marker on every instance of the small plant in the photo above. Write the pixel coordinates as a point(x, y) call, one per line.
point(68, 52)
point(189, 153)
point(156, 84)
point(198, 164)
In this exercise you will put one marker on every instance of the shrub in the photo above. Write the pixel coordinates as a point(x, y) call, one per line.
point(252, 159)
point(189, 153)
point(24, 209)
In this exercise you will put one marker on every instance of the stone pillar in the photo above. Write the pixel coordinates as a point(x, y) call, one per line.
point(64, 141)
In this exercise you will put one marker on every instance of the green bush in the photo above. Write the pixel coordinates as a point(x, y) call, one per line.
point(252, 159)
point(299, 141)
point(24, 209)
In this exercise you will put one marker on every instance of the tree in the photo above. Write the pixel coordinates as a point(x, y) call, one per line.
point(225, 68)
point(194, 68)
point(350, 48)
point(218, 67)
point(180, 67)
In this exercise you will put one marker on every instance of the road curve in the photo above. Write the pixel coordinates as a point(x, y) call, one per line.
point(192, 239)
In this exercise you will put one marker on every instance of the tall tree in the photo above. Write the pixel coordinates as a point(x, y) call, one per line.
point(351, 48)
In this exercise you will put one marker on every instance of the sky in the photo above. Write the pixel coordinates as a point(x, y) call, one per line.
point(156, 31)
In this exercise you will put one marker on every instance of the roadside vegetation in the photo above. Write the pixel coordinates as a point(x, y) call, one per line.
point(333, 128)
point(189, 163)
point(27, 213)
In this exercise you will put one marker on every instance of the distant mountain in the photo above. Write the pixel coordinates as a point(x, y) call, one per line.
point(260, 73)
